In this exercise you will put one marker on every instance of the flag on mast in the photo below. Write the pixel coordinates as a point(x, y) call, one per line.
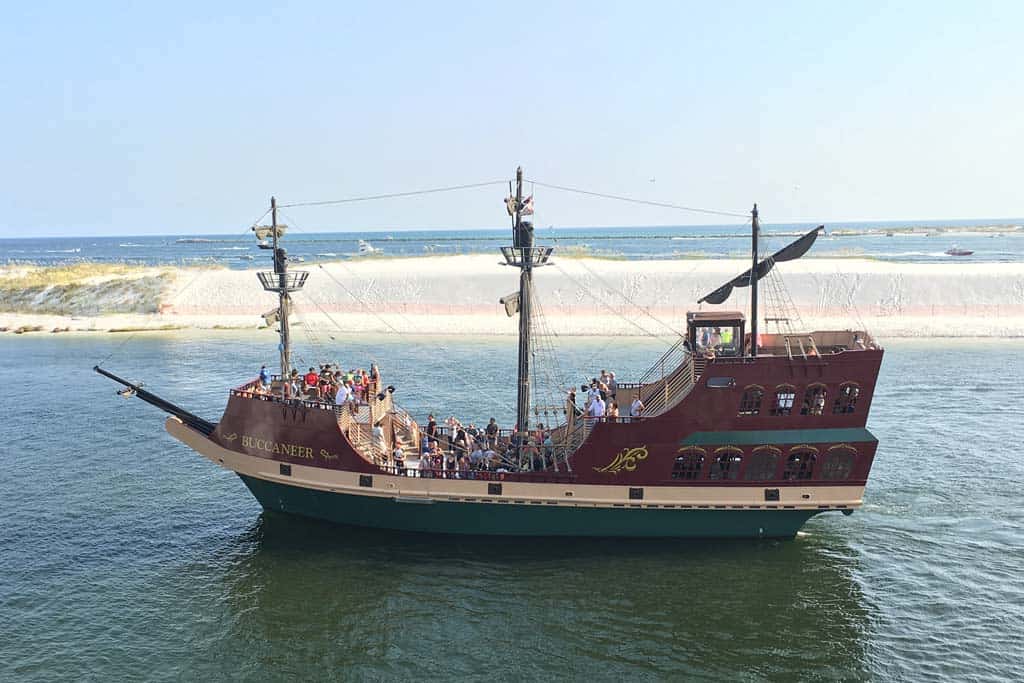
point(527, 208)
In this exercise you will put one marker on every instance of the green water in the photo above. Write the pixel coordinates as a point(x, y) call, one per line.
point(125, 556)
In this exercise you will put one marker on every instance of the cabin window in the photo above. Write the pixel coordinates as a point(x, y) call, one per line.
point(846, 400)
point(725, 465)
point(814, 400)
point(750, 404)
point(785, 395)
point(800, 464)
point(762, 464)
point(721, 382)
point(838, 463)
point(689, 463)
point(713, 341)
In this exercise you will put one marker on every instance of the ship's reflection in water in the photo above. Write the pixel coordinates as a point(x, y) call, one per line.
point(302, 595)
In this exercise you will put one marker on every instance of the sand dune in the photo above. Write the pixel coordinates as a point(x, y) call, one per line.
point(459, 294)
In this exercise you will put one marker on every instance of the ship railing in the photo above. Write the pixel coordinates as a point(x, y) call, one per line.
point(248, 391)
point(669, 361)
point(571, 437)
point(669, 392)
point(537, 477)
point(664, 384)
point(664, 393)
point(361, 437)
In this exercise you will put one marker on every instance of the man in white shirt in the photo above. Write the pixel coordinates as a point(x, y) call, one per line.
point(342, 395)
point(597, 407)
point(636, 408)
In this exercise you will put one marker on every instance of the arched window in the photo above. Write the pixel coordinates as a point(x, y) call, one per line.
point(785, 395)
point(762, 464)
point(750, 404)
point(800, 463)
point(689, 463)
point(814, 400)
point(838, 463)
point(725, 465)
point(846, 399)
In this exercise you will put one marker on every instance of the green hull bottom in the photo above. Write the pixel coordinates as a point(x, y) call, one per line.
point(508, 519)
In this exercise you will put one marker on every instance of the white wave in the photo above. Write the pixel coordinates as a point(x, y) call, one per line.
point(63, 251)
point(130, 244)
point(231, 248)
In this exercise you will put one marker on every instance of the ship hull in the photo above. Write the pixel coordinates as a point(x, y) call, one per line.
point(494, 519)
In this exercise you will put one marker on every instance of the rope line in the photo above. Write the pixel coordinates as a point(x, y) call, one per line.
point(177, 295)
point(664, 205)
point(609, 307)
point(392, 195)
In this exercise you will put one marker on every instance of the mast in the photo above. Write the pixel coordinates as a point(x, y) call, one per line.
point(284, 300)
point(282, 283)
point(522, 240)
point(754, 227)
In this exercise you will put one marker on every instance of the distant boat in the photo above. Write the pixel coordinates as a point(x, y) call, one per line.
point(367, 248)
point(889, 233)
point(263, 244)
point(246, 257)
point(192, 240)
point(957, 251)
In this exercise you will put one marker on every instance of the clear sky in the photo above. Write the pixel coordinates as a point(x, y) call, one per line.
point(133, 118)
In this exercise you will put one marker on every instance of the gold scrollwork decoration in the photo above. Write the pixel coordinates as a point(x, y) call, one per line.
point(626, 460)
point(231, 437)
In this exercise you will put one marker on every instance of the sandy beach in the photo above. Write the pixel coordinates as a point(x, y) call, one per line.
point(459, 295)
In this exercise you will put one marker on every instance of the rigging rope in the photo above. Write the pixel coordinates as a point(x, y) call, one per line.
point(646, 332)
point(392, 195)
point(633, 200)
point(177, 295)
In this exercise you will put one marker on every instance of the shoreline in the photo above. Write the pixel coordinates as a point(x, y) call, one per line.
point(586, 297)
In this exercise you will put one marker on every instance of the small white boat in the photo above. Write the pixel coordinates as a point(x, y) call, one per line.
point(957, 251)
point(367, 248)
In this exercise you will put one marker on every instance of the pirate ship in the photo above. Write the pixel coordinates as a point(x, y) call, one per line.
point(743, 433)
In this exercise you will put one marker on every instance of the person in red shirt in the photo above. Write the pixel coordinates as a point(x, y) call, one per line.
point(312, 379)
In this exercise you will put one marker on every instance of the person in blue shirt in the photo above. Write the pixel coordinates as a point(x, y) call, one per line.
point(264, 376)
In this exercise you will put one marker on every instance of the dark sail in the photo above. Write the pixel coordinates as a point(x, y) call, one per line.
point(790, 252)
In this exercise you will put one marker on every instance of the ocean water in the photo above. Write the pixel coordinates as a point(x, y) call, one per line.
point(904, 242)
point(123, 555)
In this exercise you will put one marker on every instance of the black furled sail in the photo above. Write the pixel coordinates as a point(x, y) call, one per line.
point(790, 252)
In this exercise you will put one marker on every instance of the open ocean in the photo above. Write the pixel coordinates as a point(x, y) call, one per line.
point(904, 242)
point(125, 556)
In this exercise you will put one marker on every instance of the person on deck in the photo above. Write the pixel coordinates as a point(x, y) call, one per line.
point(636, 409)
point(492, 433)
point(716, 338)
point(613, 410)
point(476, 457)
point(264, 376)
point(431, 429)
point(312, 379)
point(613, 386)
point(398, 455)
point(597, 408)
point(343, 395)
point(374, 378)
point(426, 465)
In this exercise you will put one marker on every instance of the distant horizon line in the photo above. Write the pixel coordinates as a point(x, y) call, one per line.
point(1001, 222)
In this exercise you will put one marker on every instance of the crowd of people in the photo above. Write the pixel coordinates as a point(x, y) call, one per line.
point(455, 450)
point(451, 449)
point(601, 399)
point(328, 385)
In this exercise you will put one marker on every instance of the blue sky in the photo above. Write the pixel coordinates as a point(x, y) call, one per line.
point(135, 118)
